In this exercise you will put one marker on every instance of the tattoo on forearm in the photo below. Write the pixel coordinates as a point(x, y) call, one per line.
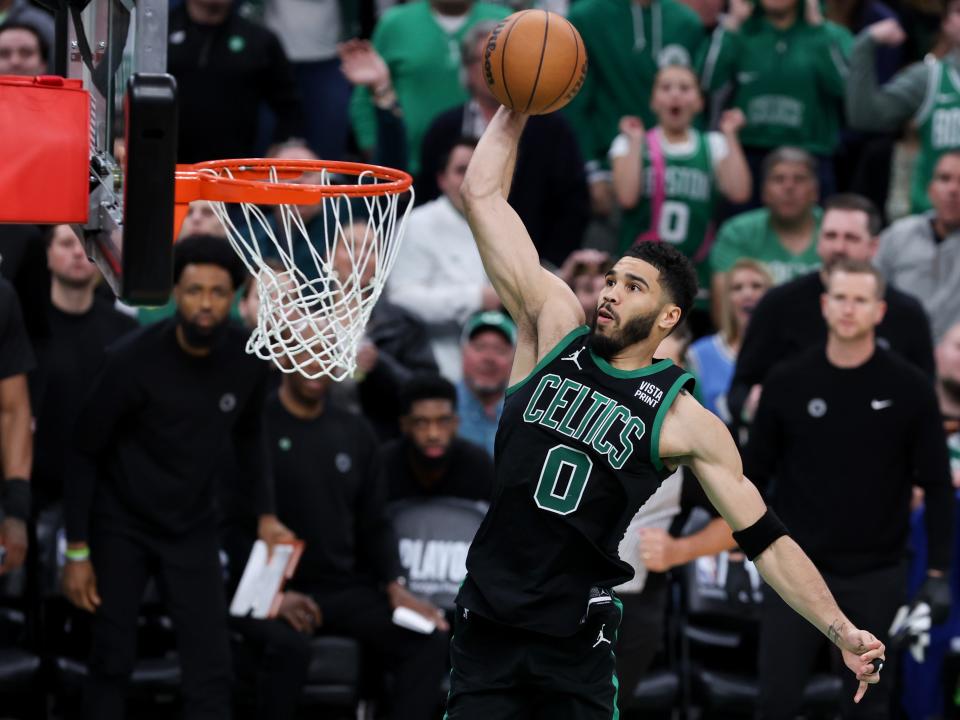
point(834, 631)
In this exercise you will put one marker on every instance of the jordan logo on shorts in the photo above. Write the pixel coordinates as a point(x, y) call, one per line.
point(600, 637)
point(574, 357)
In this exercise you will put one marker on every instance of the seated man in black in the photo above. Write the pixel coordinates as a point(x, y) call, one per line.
point(330, 493)
point(429, 460)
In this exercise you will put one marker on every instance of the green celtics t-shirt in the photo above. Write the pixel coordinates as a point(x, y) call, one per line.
point(790, 83)
point(750, 235)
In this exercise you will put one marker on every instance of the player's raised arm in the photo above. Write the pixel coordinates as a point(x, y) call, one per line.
point(509, 256)
point(693, 436)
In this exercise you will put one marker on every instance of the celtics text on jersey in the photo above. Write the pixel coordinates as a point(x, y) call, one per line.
point(577, 454)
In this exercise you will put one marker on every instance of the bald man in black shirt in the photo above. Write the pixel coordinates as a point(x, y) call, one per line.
point(172, 403)
point(849, 426)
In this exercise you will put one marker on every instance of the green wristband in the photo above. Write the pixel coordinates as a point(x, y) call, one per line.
point(78, 554)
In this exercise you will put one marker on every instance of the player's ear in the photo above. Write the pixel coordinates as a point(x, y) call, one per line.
point(670, 316)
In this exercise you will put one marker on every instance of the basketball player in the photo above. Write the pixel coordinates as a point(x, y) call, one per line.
point(591, 425)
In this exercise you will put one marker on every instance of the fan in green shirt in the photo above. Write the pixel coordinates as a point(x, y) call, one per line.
point(420, 42)
point(788, 66)
point(783, 234)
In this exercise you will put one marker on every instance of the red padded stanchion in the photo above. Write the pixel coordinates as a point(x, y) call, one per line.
point(44, 150)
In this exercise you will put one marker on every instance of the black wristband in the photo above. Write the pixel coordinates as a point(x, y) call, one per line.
point(758, 537)
point(16, 498)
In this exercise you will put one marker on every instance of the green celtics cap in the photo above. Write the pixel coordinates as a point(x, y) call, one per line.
point(490, 320)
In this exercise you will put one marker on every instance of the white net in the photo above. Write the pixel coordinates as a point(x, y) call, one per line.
point(316, 293)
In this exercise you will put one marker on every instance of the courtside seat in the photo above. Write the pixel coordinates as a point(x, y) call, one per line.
point(21, 686)
point(333, 679)
point(719, 636)
point(150, 676)
point(18, 669)
point(658, 690)
point(725, 692)
point(22, 693)
point(739, 694)
point(156, 675)
point(823, 693)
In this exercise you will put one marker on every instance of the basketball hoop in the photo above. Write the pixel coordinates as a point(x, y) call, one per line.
point(312, 315)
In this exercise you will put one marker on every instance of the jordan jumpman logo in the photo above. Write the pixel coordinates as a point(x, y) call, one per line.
point(574, 357)
point(600, 637)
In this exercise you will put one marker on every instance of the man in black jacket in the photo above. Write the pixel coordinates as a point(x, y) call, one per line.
point(549, 189)
point(842, 426)
point(173, 403)
point(788, 318)
point(227, 67)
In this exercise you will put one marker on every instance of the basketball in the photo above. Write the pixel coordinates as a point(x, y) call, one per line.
point(534, 62)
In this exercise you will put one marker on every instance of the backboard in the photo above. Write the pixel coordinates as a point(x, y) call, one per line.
point(119, 49)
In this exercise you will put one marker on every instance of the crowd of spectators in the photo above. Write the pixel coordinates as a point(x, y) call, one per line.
point(805, 155)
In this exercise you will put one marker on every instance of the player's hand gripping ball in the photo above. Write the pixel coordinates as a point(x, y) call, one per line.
point(534, 62)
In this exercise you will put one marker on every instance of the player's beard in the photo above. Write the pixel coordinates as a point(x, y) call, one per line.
point(198, 337)
point(633, 331)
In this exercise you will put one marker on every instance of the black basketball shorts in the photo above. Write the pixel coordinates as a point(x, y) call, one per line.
point(500, 672)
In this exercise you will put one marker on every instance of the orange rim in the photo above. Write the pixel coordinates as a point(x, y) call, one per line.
point(249, 181)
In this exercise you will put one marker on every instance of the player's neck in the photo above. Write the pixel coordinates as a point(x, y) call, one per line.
point(852, 353)
point(634, 357)
point(71, 300)
point(299, 407)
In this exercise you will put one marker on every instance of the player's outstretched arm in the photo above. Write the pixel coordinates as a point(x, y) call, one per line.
point(509, 256)
point(693, 436)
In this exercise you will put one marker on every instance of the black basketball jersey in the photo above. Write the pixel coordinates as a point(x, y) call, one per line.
point(576, 454)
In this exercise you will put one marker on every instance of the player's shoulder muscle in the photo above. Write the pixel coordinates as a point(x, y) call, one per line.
point(691, 431)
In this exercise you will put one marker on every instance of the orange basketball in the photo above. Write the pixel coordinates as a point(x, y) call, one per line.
point(534, 62)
